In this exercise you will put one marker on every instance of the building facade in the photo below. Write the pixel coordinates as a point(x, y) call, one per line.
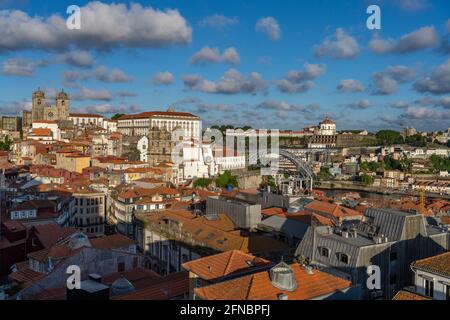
point(41, 110)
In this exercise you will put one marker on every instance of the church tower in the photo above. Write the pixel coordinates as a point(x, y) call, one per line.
point(62, 105)
point(38, 105)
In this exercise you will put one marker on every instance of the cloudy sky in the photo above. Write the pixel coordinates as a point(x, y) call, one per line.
point(269, 64)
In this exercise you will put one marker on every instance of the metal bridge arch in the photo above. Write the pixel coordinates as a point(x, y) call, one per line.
point(302, 167)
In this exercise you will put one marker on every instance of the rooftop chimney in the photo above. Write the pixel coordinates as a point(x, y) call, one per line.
point(283, 296)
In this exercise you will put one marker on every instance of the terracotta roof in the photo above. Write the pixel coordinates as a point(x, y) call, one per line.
point(49, 234)
point(408, 295)
point(144, 115)
point(332, 209)
point(439, 264)
point(169, 287)
point(223, 264)
point(111, 242)
point(258, 286)
point(41, 132)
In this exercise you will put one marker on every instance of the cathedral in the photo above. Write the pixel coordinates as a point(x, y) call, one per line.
point(41, 110)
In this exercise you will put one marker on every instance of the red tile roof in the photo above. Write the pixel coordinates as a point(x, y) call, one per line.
point(223, 264)
point(258, 286)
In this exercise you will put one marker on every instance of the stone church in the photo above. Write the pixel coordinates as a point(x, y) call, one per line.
point(41, 110)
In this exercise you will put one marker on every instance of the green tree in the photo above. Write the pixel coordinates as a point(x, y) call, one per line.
point(117, 116)
point(416, 140)
point(324, 174)
point(269, 182)
point(389, 137)
point(6, 145)
point(367, 180)
point(202, 183)
point(226, 179)
point(440, 163)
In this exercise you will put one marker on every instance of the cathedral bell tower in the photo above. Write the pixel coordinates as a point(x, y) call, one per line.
point(38, 104)
point(62, 105)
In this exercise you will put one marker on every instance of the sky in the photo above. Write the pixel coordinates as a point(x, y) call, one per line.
point(269, 64)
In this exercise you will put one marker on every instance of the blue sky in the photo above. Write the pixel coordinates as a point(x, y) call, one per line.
point(268, 64)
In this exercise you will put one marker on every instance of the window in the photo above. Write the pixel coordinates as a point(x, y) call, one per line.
point(324, 252)
point(447, 291)
point(121, 267)
point(343, 258)
point(429, 287)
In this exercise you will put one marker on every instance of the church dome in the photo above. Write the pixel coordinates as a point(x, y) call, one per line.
point(63, 95)
point(327, 121)
point(121, 286)
point(38, 94)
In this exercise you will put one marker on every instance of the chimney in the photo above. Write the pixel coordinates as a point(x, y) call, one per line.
point(345, 234)
point(283, 296)
point(309, 269)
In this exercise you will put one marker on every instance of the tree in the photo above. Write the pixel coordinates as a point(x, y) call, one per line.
point(6, 145)
point(269, 182)
point(416, 140)
point(202, 183)
point(117, 116)
point(440, 163)
point(367, 180)
point(324, 174)
point(389, 137)
point(226, 179)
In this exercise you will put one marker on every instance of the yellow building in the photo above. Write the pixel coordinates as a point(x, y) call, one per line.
point(72, 161)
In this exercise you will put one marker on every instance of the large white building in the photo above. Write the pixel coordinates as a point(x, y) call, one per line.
point(140, 124)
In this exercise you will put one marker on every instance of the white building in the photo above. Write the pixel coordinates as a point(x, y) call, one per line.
point(142, 147)
point(47, 124)
point(140, 124)
point(227, 159)
point(198, 161)
point(110, 125)
point(432, 276)
point(86, 119)
point(327, 127)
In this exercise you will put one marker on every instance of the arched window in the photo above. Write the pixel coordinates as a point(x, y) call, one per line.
point(344, 258)
point(324, 252)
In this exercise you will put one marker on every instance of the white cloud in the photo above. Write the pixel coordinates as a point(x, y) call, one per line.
point(270, 27)
point(386, 82)
point(209, 54)
point(231, 56)
point(91, 94)
point(134, 26)
point(412, 5)
point(100, 73)
point(361, 104)
point(163, 78)
point(350, 85)
point(77, 58)
point(340, 46)
point(301, 81)
point(416, 40)
point(218, 21)
point(21, 67)
point(231, 82)
point(110, 109)
point(438, 82)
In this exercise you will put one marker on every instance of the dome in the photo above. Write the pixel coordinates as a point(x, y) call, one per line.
point(38, 93)
point(282, 277)
point(121, 286)
point(62, 95)
point(327, 121)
